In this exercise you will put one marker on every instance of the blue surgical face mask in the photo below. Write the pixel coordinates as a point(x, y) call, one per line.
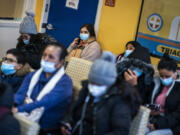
point(48, 67)
point(8, 69)
point(96, 90)
point(26, 42)
point(138, 72)
point(167, 81)
point(84, 36)
point(127, 52)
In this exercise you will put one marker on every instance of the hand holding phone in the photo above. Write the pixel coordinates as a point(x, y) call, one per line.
point(75, 42)
point(130, 77)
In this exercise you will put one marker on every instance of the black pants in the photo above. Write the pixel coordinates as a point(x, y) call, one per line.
point(55, 131)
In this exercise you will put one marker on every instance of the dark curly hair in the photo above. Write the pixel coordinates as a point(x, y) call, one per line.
point(147, 69)
point(20, 56)
point(167, 63)
point(134, 43)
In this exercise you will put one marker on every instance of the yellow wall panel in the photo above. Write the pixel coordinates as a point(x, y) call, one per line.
point(168, 11)
point(39, 7)
point(118, 24)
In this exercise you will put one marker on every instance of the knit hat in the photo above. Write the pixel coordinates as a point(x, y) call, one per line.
point(28, 25)
point(103, 70)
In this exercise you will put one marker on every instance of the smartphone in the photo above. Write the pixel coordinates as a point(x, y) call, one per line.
point(155, 107)
point(79, 40)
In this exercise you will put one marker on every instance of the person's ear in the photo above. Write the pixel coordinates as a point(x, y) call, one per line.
point(60, 64)
point(18, 66)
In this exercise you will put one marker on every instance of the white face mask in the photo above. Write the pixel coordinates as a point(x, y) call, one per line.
point(48, 67)
point(96, 90)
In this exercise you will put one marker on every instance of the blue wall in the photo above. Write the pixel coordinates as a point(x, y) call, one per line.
point(67, 21)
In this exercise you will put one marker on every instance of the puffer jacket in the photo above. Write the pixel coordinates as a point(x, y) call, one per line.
point(111, 115)
point(34, 49)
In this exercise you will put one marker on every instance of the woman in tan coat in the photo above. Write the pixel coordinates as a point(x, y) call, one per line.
point(86, 46)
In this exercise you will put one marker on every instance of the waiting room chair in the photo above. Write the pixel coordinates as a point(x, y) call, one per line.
point(156, 73)
point(78, 69)
point(27, 127)
point(139, 124)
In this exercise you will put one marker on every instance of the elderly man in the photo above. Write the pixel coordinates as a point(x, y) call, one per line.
point(48, 88)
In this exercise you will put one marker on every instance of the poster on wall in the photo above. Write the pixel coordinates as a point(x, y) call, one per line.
point(159, 28)
point(110, 3)
point(72, 4)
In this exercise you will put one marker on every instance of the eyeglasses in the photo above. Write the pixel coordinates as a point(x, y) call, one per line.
point(8, 60)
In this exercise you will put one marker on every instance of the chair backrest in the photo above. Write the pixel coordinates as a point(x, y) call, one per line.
point(156, 73)
point(78, 69)
point(27, 127)
point(139, 124)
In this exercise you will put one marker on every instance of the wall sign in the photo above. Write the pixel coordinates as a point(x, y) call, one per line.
point(159, 29)
point(72, 4)
point(110, 3)
point(154, 22)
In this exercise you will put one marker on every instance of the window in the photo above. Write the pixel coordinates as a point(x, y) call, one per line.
point(15, 9)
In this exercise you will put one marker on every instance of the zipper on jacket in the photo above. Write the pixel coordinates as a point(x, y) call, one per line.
point(94, 120)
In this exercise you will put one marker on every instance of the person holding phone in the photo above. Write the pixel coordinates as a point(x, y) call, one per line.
point(85, 46)
point(105, 106)
point(166, 94)
point(139, 74)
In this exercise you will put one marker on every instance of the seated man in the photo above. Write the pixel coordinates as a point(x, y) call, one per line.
point(12, 68)
point(48, 88)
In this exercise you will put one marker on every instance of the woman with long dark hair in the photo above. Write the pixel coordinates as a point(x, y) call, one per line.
point(85, 46)
point(136, 51)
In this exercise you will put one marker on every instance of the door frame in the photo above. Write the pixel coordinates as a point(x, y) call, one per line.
point(44, 15)
point(98, 16)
